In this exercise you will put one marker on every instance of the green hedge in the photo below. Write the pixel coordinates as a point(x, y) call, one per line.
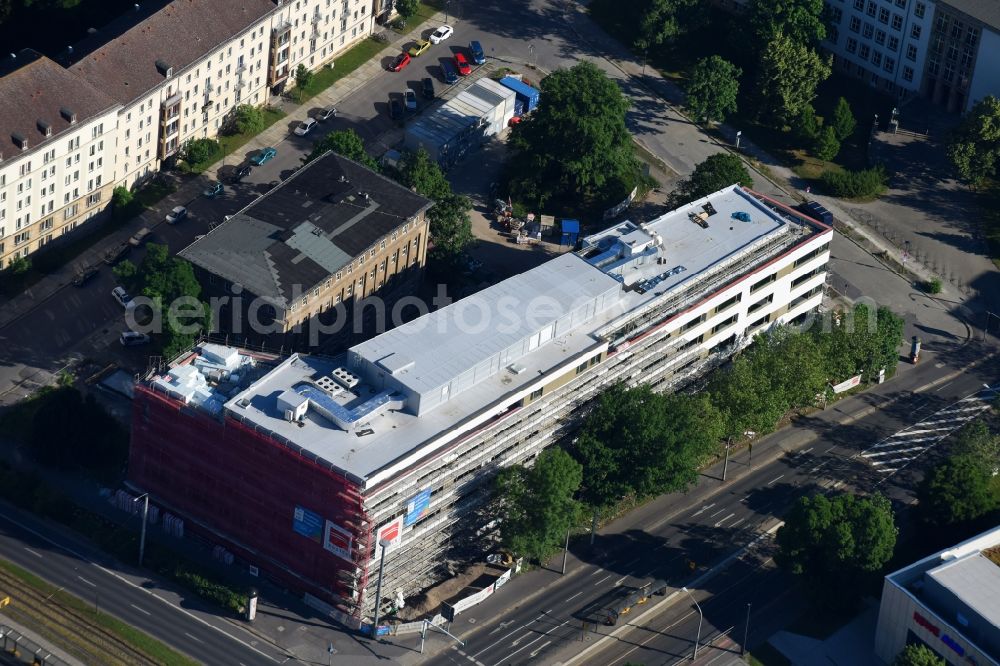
point(864, 184)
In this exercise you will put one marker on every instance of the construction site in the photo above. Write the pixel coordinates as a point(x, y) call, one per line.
point(307, 467)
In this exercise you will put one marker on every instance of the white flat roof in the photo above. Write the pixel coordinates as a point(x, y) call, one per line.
point(399, 413)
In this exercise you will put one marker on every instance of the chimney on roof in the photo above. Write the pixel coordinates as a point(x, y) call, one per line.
point(163, 68)
point(20, 140)
point(44, 127)
point(68, 114)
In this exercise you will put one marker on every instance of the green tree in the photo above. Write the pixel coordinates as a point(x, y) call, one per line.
point(450, 225)
point(827, 145)
point(660, 20)
point(918, 655)
point(958, 490)
point(598, 165)
point(807, 125)
point(420, 172)
point(864, 342)
point(978, 441)
point(787, 77)
point(125, 271)
point(19, 265)
point(974, 146)
point(837, 543)
point(248, 119)
point(406, 8)
point(715, 173)
point(536, 504)
point(638, 442)
point(713, 89)
point(800, 20)
point(843, 121)
point(167, 280)
point(121, 197)
point(201, 151)
point(345, 143)
point(303, 77)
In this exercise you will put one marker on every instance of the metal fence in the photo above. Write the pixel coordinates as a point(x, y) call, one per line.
point(23, 648)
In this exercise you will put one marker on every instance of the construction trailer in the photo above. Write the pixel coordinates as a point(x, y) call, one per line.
point(463, 123)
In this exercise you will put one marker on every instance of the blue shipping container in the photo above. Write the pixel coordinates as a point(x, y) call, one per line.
point(526, 95)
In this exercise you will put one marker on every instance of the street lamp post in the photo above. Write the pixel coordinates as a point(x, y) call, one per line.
point(447, 5)
point(385, 543)
point(738, 135)
point(142, 533)
point(565, 552)
point(701, 618)
point(746, 633)
point(644, 49)
point(531, 54)
point(725, 466)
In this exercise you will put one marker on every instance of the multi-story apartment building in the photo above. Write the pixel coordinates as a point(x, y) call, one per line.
point(180, 71)
point(303, 466)
point(330, 235)
point(56, 134)
point(883, 42)
point(947, 51)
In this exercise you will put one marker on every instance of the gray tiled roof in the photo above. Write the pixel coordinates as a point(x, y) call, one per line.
point(306, 229)
point(121, 58)
point(34, 91)
point(987, 11)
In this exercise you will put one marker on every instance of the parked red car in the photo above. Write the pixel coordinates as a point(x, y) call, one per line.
point(401, 61)
point(462, 64)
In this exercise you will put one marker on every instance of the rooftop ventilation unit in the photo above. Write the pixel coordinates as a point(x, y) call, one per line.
point(345, 378)
point(68, 114)
point(516, 368)
point(701, 219)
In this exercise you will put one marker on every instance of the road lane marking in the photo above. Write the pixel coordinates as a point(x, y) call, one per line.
point(87, 581)
point(630, 563)
point(722, 520)
point(542, 647)
point(34, 552)
point(602, 580)
point(527, 645)
point(501, 640)
point(807, 450)
point(141, 610)
point(738, 522)
point(717, 512)
point(596, 571)
point(619, 581)
point(139, 588)
point(572, 598)
point(194, 638)
point(775, 479)
point(704, 508)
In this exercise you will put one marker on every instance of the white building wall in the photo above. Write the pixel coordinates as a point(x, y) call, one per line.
point(888, 55)
point(986, 78)
point(48, 190)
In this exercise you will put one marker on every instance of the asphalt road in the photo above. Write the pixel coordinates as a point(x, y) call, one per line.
point(705, 526)
point(73, 566)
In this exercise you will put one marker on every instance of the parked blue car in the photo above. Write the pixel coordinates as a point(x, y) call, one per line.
point(263, 156)
point(478, 55)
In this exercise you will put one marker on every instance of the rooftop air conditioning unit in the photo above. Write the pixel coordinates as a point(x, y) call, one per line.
point(345, 378)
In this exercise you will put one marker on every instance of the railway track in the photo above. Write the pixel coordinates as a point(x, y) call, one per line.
point(68, 627)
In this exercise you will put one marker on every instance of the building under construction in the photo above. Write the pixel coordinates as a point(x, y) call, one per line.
point(303, 465)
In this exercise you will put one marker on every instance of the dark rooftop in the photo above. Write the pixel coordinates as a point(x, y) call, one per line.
point(41, 99)
point(987, 11)
point(306, 229)
point(121, 58)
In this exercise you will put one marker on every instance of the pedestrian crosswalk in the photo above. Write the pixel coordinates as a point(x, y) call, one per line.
point(899, 449)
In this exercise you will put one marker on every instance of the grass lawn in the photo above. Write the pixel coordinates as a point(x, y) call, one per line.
point(343, 65)
point(157, 651)
point(425, 11)
point(233, 142)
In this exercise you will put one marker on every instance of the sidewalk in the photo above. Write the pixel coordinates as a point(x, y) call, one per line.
point(29, 643)
point(782, 180)
point(190, 188)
